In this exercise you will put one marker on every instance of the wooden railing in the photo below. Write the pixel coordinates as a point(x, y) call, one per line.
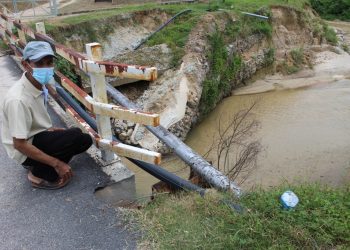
point(93, 65)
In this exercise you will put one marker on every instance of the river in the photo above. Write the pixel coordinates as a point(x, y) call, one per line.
point(304, 127)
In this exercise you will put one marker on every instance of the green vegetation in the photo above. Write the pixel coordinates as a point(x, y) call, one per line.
point(331, 9)
point(320, 221)
point(224, 67)
point(177, 32)
point(297, 56)
point(176, 35)
point(222, 71)
point(346, 48)
point(269, 57)
point(330, 35)
point(246, 26)
point(234, 5)
point(295, 63)
point(3, 45)
point(67, 69)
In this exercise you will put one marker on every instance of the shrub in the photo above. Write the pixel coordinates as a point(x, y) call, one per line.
point(222, 72)
point(67, 69)
point(330, 35)
point(330, 9)
point(346, 48)
point(297, 56)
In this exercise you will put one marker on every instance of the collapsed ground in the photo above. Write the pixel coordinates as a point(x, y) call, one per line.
point(201, 57)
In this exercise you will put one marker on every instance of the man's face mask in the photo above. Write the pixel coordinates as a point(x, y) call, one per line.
point(43, 75)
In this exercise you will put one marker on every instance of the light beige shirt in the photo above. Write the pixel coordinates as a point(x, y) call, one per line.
point(23, 115)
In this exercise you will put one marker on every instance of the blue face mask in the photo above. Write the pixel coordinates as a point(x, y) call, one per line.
point(43, 75)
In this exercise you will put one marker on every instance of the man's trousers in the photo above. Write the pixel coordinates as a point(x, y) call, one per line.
point(61, 144)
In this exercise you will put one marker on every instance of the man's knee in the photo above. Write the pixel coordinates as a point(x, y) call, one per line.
point(81, 138)
point(87, 140)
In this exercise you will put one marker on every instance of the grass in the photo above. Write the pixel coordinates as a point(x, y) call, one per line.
point(234, 5)
point(3, 45)
point(246, 26)
point(330, 35)
point(297, 56)
point(222, 72)
point(320, 221)
point(224, 67)
point(176, 35)
point(346, 48)
point(295, 63)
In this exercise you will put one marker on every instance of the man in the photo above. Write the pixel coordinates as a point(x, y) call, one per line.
point(27, 132)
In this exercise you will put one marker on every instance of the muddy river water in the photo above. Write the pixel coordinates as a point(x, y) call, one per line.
point(304, 127)
point(305, 133)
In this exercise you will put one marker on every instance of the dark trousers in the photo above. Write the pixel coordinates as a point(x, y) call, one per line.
point(61, 144)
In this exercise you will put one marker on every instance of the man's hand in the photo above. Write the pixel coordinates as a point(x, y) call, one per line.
point(64, 171)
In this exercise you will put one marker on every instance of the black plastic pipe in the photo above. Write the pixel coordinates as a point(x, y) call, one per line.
point(157, 171)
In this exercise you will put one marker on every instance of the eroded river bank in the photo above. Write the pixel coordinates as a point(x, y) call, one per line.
point(304, 132)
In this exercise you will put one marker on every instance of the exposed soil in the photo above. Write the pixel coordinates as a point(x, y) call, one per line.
point(133, 91)
point(117, 34)
point(176, 94)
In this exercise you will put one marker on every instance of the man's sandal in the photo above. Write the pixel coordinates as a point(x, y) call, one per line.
point(43, 184)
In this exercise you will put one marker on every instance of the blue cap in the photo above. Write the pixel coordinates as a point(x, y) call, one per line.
point(36, 50)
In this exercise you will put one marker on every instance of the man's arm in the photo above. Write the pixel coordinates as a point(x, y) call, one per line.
point(62, 169)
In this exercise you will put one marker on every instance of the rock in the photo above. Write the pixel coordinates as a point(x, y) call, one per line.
point(159, 56)
point(123, 136)
point(129, 133)
point(198, 49)
point(130, 124)
point(138, 136)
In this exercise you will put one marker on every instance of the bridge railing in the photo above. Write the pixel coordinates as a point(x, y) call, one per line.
point(97, 69)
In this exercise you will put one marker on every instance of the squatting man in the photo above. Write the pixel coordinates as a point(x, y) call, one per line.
point(27, 132)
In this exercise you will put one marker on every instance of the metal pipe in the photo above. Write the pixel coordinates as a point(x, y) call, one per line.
point(191, 158)
point(160, 28)
point(255, 15)
point(157, 171)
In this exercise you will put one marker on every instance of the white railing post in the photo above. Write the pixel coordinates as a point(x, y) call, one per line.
point(4, 10)
point(22, 36)
point(9, 22)
point(98, 86)
point(40, 28)
point(3, 24)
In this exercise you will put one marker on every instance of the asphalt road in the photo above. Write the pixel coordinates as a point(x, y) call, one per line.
point(69, 218)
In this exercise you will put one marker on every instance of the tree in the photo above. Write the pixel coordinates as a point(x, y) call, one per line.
point(235, 152)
